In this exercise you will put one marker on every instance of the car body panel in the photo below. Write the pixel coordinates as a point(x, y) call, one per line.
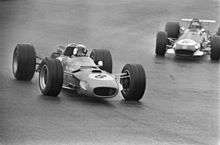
point(189, 43)
point(87, 76)
point(194, 35)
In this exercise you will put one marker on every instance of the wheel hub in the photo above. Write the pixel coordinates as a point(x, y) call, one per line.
point(43, 77)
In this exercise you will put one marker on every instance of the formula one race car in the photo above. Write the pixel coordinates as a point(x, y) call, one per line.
point(72, 68)
point(188, 42)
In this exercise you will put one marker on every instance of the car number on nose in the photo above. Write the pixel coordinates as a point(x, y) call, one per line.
point(100, 77)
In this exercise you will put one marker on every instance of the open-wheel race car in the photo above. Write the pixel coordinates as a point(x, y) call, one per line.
point(73, 67)
point(193, 41)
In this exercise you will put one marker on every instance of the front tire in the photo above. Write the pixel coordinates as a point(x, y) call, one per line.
point(172, 29)
point(51, 77)
point(215, 48)
point(134, 85)
point(24, 62)
point(161, 43)
point(103, 55)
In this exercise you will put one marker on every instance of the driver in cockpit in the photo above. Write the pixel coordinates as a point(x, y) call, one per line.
point(76, 50)
point(80, 50)
point(195, 24)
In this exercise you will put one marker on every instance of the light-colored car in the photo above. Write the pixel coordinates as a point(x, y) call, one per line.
point(72, 67)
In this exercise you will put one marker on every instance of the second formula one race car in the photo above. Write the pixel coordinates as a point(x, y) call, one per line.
point(72, 68)
point(193, 41)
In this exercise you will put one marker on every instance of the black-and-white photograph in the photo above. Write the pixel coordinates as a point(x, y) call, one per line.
point(109, 72)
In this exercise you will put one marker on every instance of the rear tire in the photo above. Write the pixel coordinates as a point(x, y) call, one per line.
point(133, 86)
point(215, 48)
point(24, 62)
point(172, 29)
point(103, 55)
point(161, 43)
point(51, 77)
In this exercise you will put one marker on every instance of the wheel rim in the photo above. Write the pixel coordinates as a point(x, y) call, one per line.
point(43, 77)
point(92, 56)
point(15, 63)
point(126, 82)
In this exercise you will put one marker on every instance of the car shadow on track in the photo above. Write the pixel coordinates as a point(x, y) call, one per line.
point(88, 100)
point(131, 104)
point(50, 98)
point(177, 59)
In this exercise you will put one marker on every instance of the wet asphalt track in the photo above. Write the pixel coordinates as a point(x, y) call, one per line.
point(180, 106)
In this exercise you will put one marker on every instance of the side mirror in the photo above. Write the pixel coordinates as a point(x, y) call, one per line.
point(100, 63)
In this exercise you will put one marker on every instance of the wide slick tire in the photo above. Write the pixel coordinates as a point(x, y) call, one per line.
point(134, 84)
point(51, 77)
point(24, 62)
point(103, 55)
point(161, 43)
point(172, 29)
point(215, 48)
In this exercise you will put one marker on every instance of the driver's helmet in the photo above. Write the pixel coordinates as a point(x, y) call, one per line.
point(80, 50)
point(195, 24)
point(71, 45)
point(69, 49)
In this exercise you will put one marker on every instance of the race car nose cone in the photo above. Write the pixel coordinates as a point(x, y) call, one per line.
point(186, 45)
point(186, 42)
point(101, 80)
point(100, 85)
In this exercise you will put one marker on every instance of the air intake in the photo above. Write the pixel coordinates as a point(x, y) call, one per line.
point(96, 71)
point(104, 91)
point(182, 52)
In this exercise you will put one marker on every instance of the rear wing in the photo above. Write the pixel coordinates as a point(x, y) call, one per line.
point(203, 21)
